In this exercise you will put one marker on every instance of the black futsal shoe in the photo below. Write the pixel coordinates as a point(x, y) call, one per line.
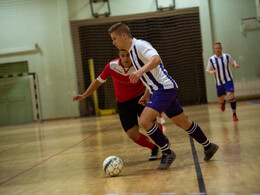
point(210, 152)
point(166, 161)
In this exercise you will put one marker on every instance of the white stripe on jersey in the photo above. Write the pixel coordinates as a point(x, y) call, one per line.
point(157, 78)
point(221, 65)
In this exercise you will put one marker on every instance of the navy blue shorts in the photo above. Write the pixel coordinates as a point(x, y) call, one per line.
point(165, 101)
point(226, 87)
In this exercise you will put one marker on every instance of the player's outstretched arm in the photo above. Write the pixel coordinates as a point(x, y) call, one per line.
point(92, 87)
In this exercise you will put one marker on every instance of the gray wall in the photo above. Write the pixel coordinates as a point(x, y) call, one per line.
point(26, 22)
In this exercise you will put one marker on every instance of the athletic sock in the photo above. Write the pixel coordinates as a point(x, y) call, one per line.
point(195, 132)
point(160, 139)
point(233, 104)
point(223, 103)
point(145, 142)
point(161, 127)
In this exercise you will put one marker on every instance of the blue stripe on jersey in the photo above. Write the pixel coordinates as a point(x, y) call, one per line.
point(224, 70)
point(147, 83)
point(229, 74)
point(149, 74)
point(216, 60)
point(214, 69)
point(139, 61)
point(168, 76)
point(212, 64)
point(144, 80)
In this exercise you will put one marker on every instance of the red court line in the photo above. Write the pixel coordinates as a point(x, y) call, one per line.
point(52, 156)
point(12, 148)
point(32, 140)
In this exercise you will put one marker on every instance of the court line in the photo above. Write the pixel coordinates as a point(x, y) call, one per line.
point(197, 167)
point(54, 155)
point(33, 140)
point(255, 102)
point(12, 147)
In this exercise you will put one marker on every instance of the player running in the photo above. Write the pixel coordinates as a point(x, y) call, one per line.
point(127, 96)
point(218, 65)
point(150, 69)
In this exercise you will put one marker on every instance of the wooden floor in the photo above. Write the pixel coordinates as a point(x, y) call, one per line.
point(66, 156)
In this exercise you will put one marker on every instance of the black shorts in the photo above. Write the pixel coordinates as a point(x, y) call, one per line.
point(128, 112)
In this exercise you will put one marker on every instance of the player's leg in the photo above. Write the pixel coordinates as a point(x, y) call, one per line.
point(157, 104)
point(230, 93)
point(176, 114)
point(153, 130)
point(143, 140)
point(128, 118)
point(139, 138)
point(233, 104)
point(222, 102)
point(155, 153)
point(139, 109)
point(221, 93)
point(147, 121)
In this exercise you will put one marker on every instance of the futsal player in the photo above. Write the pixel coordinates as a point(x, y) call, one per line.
point(150, 69)
point(127, 96)
point(218, 65)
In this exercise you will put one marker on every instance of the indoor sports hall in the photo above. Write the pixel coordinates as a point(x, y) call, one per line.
point(52, 50)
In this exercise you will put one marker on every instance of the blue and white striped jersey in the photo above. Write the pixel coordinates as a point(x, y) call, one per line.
point(221, 65)
point(140, 53)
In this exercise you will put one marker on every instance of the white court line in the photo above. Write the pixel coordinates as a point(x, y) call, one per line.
point(199, 193)
point(111, 194)
point(227, 193)
point(138, 193)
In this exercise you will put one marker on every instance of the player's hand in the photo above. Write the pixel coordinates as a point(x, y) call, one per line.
point(135, 76)
point(77, 97)
point(143, 100)
point(236, 66)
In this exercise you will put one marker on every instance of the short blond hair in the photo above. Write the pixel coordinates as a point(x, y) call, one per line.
point(120, 28)
point(217, 43)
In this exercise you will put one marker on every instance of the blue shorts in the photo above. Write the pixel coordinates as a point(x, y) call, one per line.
point(226, 87)
point(165, 101)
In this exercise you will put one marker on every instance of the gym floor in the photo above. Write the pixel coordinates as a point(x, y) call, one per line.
point(66, 156)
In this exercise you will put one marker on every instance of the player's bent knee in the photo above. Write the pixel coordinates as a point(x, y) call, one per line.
point(231, 96)
point(146, 124)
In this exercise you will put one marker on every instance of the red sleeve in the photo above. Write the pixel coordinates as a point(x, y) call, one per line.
point(106, 72)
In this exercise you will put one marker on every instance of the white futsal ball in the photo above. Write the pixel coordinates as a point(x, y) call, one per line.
point(113, 166)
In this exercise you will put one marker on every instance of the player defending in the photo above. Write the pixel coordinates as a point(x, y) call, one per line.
point(218, 65)
point(149, 68)
point(127, 96)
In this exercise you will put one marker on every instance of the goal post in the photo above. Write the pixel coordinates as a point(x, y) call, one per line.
point(35, 91)
point(98, 111)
